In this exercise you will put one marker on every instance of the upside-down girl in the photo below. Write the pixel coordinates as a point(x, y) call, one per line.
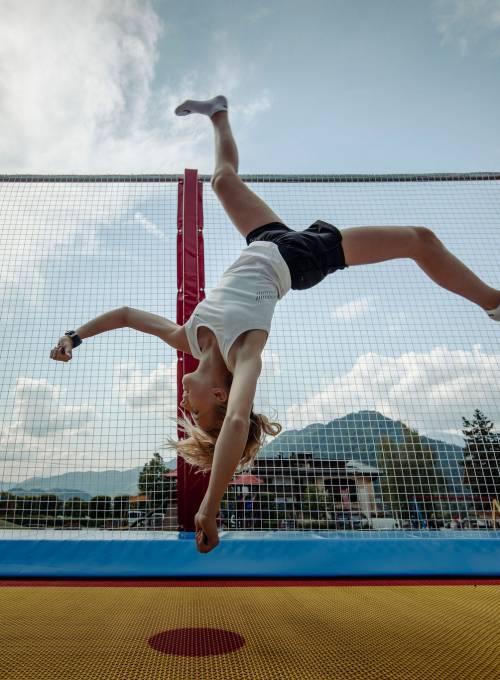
point(229, 329)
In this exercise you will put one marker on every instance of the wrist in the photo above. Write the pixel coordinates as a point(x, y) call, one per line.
point(209, 506)
point(74, 337)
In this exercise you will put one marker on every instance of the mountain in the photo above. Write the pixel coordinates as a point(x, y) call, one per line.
point(353, 437)
point(356, 437)
point(100, 483)
point(62, 494)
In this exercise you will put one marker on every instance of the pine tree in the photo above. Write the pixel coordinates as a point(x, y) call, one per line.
point(481, 458)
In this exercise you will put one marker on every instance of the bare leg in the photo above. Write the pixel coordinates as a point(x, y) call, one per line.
point(367, 245)
point(226, 152)
point(245, 209)
point(362, 245)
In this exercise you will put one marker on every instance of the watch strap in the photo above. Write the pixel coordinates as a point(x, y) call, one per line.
point(75, 339)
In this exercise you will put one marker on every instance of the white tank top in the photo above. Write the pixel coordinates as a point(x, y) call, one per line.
point(244, 299)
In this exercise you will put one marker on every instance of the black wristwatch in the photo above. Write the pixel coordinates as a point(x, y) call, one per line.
point(75, 339)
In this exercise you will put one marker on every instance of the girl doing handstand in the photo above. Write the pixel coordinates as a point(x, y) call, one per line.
point(228, 330)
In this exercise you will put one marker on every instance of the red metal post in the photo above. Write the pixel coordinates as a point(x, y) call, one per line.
point(191, 487)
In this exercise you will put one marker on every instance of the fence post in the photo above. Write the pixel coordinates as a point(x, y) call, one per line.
point(191, 487)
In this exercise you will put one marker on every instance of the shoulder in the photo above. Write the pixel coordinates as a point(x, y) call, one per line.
point(251, 346)
point(181, 340)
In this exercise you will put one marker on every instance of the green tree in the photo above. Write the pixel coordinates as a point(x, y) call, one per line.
point(50, 504)
point(153, 483)
point(100, 508)
point(75, 508)
point(121, 507)
point(7, 503)
point(314, 506)
point(411, 471)
point(481, 461)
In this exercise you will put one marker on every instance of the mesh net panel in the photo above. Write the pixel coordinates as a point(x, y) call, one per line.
point(76, 437)
point(370, 373)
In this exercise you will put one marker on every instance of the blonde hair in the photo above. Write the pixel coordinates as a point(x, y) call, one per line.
point(199, 446)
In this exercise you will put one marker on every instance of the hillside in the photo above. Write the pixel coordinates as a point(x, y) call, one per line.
point(352, 437)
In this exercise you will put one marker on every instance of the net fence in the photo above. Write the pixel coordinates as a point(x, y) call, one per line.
point(385, 384)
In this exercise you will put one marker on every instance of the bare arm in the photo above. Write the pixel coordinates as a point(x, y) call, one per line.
point(230, 445)
point(234, 432)
point(125, 317)
point(106, 322)
point(63, 351)
point(168, 331)
point(228, 449)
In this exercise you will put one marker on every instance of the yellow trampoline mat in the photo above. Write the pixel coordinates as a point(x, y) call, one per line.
point(409, 632)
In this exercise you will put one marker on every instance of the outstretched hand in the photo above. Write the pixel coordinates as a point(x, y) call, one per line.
point(207, 537)
point(63, 350)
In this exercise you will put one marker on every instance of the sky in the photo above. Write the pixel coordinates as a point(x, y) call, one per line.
point(329, 86)
point(323, 87)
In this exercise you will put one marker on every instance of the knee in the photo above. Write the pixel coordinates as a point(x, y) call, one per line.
point(221, 178)
point(425, 240)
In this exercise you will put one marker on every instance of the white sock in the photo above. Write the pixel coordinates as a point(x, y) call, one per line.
point(494, 313)
point(207, 107)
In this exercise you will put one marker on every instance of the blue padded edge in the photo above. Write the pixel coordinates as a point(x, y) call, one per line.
point(255, 554)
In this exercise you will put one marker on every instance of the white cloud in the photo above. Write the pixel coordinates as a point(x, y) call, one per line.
point(40, 410)
point(271, 364)
point(231, 69)
point(469, 23)
point(351, 309)
point(77, 89)
point(151, 392)
point(259, 14)
point(52, 430)
point(259, 104)
point(37, 221)
point(149, 226)
point(427, 391)
point(78, 92)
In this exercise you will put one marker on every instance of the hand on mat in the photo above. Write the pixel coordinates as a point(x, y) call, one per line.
point(63, 350)
point(207, 537)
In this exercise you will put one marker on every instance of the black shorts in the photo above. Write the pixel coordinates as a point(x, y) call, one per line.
point(310, 255)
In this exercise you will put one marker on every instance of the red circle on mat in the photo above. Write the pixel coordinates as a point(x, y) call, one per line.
point(196, 641)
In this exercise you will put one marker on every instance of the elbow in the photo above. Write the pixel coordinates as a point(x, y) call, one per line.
point(237, 421)
point(124, 314)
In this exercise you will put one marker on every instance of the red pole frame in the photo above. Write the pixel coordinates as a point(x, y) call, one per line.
point(191, 487)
